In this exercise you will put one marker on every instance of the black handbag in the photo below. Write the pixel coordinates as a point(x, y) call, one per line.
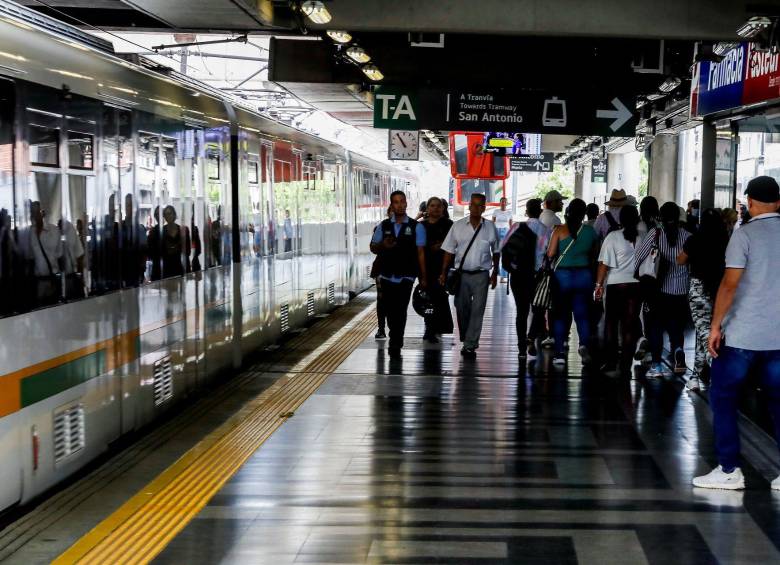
point(452, 284)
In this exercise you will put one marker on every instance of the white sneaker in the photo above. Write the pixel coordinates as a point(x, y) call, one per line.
point(727, 481)
point(656, 371)
point(775, 484)
point(559, 359)
point(694, 385)
point(548, 342)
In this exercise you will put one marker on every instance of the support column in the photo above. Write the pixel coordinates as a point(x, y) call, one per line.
point(578, 183)
point(708, 149)
point(662, 170)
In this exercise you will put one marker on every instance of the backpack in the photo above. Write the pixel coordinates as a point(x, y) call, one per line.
point(519, 253)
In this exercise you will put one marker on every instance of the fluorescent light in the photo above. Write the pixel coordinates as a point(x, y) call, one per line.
point(358, 54)
point(165, 102)
point(316, 11)
point(123, 89)
point(12, 56)
point(372, 72)
point(339, 36)
point(70, 74)
point(754, 26)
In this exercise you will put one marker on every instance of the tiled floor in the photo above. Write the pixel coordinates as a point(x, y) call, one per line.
point(436, 459)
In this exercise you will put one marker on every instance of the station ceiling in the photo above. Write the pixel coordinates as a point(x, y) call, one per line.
point(659, 19)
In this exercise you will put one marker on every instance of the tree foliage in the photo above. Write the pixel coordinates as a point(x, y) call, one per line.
point(561, 179)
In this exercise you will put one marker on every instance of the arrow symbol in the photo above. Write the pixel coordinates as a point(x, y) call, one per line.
point(538, 165)
point(620, 114)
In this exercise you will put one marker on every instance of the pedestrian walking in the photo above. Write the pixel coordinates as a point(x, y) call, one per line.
point(436, 229)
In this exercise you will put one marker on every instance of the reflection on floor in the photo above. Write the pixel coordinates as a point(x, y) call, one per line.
point(433, 458)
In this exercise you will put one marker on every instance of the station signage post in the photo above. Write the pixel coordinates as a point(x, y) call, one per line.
point(575, 113)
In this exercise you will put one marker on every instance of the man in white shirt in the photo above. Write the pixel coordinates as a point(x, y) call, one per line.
point(553, 203)
point(471, 298)
point(502, 218)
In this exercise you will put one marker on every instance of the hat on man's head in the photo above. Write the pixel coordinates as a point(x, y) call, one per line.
point(617, 198)
point(763, 189)
point(553, 196)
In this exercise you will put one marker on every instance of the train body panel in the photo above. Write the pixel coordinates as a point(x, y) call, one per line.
point(193, 231)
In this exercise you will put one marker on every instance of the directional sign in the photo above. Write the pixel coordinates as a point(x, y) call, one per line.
point(620, 114)
point(541, 163)
point(577, 112)
point(598, 170)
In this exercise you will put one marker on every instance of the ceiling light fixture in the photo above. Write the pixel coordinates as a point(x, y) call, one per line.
point(754, 26)
point(723, 47)
point(372, 72)
point(339, 36)
point(358, 54)
point(316, 11)
point(670, 84)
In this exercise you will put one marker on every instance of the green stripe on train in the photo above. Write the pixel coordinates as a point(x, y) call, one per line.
point(58, 379)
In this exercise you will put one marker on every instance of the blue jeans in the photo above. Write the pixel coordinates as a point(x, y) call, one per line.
point(729, 371)
point(501, 234)
point(572, 295)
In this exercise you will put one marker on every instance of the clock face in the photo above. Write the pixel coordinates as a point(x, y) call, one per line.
point(404, 145)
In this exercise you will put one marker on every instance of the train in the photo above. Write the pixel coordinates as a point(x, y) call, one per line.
point(154, 233)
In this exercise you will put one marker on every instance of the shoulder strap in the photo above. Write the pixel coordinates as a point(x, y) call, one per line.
point(613, 224)
point(565, 251)
point(473, 237)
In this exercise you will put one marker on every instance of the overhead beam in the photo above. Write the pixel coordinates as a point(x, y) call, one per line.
point(662, 19)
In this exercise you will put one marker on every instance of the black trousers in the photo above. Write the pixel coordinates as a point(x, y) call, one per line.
point(523, 292)
point(395, 298)
point(381, 316)
point(622, 328)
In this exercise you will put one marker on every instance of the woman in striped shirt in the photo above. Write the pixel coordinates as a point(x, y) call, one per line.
point(668, 309)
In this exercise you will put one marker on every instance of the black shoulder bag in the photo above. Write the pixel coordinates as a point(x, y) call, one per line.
point(454, 275)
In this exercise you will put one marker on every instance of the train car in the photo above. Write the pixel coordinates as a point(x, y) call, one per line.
point(153, 233)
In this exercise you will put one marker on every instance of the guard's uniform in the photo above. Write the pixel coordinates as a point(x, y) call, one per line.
point(399, 267)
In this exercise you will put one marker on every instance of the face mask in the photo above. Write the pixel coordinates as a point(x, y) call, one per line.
point(695, 212)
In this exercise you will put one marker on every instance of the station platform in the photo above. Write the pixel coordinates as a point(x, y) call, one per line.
point(328, 451)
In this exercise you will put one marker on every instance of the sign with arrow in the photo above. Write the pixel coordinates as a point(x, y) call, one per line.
point(620, 114)
point(541, 163)
point(605, 112)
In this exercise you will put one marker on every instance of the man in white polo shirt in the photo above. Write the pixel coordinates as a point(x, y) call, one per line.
point(744, 336)
point(475, 266)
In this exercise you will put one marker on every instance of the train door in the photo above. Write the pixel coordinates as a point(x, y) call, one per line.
point(10, 415)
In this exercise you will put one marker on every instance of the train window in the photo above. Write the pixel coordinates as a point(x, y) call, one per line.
point(212, 166)
point(44, 145)
point(80, 147)
point(253, 173)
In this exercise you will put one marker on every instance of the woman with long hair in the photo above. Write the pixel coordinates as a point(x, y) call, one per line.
point(436, 229)
point(623, 299)
point(705, 254)
point(648, 215)
point(667, 305)
point(572, 250)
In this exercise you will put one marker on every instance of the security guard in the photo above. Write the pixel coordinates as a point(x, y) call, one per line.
point(400, 241)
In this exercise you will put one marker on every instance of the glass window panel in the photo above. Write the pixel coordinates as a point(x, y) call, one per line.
point(44, 145)
point(80, 148)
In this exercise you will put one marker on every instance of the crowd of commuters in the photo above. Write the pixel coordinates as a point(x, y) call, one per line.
point(654, 268)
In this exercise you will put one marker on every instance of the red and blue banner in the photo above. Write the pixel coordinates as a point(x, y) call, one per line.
point(745, 76)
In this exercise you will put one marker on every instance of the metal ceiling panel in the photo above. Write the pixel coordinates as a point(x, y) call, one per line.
point(235, 15)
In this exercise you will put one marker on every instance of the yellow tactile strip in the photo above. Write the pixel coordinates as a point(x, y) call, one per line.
point(142, 527)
